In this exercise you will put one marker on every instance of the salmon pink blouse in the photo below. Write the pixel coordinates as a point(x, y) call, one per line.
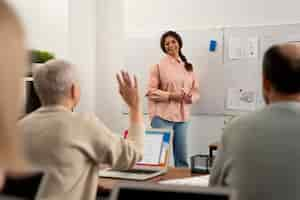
point(169, 76)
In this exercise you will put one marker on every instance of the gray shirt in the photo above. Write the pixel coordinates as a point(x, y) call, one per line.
point(260, 154)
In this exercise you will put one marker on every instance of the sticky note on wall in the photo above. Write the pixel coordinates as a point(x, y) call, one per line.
point(212, 45)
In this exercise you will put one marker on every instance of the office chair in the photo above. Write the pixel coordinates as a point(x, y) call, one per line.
point(24, 187)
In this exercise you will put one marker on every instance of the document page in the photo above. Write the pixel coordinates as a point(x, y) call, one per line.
point(152, 149)
point(192, 181)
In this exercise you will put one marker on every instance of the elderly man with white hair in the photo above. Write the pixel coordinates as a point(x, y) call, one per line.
point(70, 146)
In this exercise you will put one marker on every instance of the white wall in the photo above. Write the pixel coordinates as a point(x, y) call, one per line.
point(68, 29)
point(46, 24)
point(194, 14)
point(82, 48)
point(110, 59)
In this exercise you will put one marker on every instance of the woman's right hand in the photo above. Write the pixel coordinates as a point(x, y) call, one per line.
point(128, 89)
point(176, 96)
point(188, 98)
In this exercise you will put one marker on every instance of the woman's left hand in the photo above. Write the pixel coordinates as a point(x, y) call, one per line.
point(187, 98)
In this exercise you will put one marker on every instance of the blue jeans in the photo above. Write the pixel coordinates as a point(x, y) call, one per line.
point(179, 139)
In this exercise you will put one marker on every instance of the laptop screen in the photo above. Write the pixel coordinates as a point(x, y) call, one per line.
point(156, 147)
point(156, 191)
point(125, 194)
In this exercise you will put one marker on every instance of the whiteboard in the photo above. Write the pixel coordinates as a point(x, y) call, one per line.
point(143, 52)
point(218, 72)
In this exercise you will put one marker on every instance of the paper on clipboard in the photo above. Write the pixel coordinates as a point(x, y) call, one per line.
point(235, 48)
point(252, 47)
point(192, 181)
point(241, 99)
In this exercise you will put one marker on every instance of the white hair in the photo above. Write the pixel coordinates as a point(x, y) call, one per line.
point(53, 81)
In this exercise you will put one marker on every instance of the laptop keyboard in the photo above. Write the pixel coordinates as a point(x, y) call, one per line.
point(138, 171)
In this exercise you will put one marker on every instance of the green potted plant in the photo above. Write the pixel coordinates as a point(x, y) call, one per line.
point(38, 57)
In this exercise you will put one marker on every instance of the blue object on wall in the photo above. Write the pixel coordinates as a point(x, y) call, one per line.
point(212, 45)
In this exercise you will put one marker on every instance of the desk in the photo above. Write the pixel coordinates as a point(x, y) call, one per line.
point(105, 185)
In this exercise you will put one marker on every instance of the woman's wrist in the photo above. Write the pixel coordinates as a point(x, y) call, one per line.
point(170, 96)
point(175, 96)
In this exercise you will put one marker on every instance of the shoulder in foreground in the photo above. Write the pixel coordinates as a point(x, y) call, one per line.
point(246, 119)
point(246, 116)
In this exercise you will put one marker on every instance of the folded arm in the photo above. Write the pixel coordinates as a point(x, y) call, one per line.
point(155, 93)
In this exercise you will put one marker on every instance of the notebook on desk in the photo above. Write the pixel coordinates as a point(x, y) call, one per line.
point(157, 148)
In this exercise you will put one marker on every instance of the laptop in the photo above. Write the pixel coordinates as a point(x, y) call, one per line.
point(136, 191)
point(157, 148)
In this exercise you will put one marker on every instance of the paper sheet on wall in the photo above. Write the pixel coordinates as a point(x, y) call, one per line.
point(235, 48)
point(260, 102)
point(152, 149)
point(252, 47)
point(240, 99)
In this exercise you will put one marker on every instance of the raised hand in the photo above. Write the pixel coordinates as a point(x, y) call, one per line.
point(128, 89)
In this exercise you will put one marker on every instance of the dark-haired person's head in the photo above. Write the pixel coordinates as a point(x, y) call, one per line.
point(171, 44)
point(281, 73)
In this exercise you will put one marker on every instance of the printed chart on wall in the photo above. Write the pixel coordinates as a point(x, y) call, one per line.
point(241, 61)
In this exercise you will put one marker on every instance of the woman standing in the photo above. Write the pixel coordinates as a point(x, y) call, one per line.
point(172, 88)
